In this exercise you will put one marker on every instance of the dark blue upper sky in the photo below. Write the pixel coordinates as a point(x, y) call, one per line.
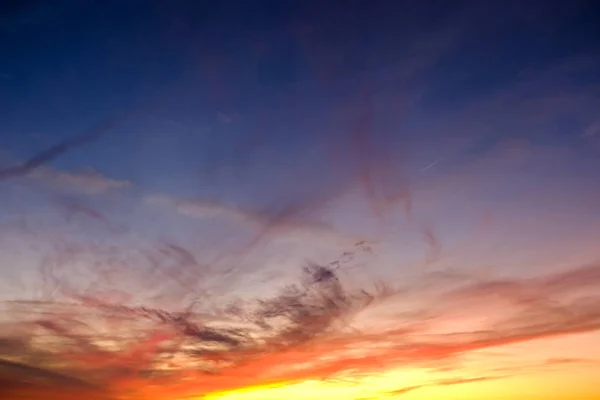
point(227, 78)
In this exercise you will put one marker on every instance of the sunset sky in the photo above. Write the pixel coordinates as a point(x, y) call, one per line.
point(449, 151)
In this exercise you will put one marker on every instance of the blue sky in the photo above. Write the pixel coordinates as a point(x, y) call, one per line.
point(414, 126)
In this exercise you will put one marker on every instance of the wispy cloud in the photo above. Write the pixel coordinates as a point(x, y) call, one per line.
point(537, 308)
point(443, 382)
point(281, 225)
point(87, 182)
point(309, 333)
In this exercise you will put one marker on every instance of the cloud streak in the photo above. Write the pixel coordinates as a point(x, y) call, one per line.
point(309, 331)
point(87, 182)
point(283, 225)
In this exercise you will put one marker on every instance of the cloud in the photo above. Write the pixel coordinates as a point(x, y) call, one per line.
point(569, 361)
point(443, 382)
point(88, 182)
point(196, 209)
point(282, 225)
point(408, 344)
point(538, 308)
point(314, 330)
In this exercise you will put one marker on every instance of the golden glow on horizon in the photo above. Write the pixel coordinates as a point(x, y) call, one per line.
point(488, 375)
point(551, 385)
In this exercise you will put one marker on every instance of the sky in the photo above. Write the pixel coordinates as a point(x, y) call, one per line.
point(443, 155)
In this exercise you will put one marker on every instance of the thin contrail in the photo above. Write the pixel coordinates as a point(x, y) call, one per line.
point(433, 164)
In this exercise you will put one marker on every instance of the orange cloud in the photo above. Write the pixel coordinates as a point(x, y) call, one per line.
point(309, 331)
